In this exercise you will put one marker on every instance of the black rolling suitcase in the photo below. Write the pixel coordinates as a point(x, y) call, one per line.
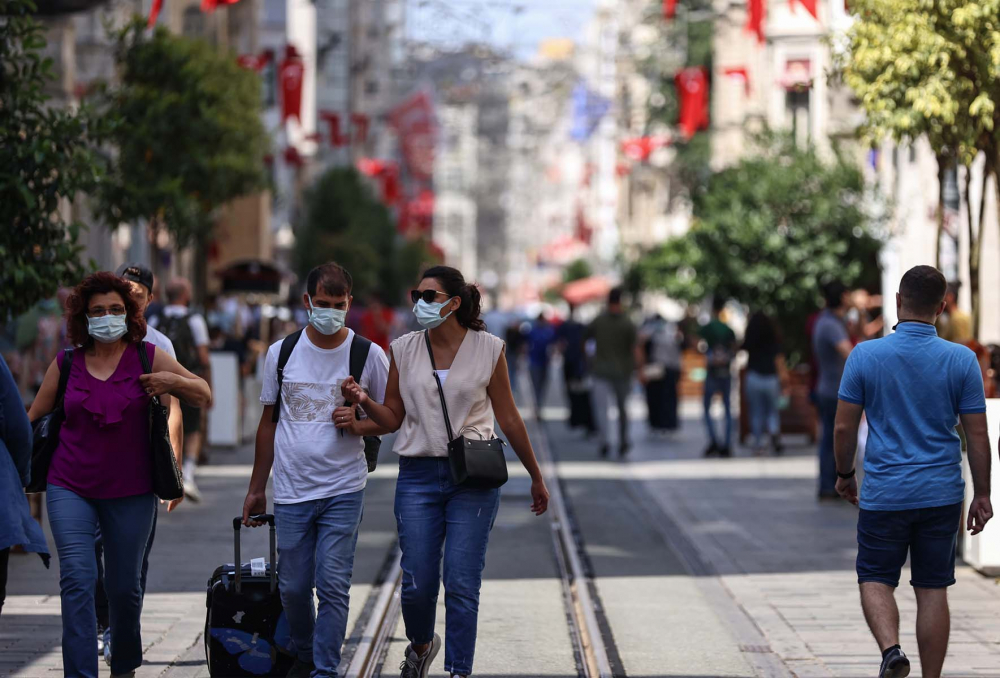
point(246, 632)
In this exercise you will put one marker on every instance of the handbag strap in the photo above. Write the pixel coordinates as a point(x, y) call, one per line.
point(65, 364)
point(146, 367)
point(444, 406)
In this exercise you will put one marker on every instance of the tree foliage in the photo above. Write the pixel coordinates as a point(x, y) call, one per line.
point(342, 220)
point(577, 270)
point(768, 232)
point(44, 163)
point(184, 122)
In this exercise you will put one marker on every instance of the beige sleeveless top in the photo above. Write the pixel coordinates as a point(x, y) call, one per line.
point(423, 432)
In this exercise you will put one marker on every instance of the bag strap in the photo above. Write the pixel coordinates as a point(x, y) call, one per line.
point(287, 346)
point(146, 367)
point(444, 406)
point(360, 348)
point(64, 368)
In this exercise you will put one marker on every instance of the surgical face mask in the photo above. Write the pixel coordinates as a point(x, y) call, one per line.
point(326, 320)
point(108, 328)
point(429, 315)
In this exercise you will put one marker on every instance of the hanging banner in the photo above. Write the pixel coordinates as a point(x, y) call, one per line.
point(640, 148)
point(810, 6)
point(692, 92)
point(669, 9)
point(255, 62)
point(291, 73)
point(209, 6)
point(415, 124)
point(332, 119)
point(755, 18)
point(154, 12)
point(739, 73)
point(359, 128)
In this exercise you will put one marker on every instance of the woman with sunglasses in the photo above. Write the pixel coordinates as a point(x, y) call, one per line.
point(101, 471)
point(432, 513)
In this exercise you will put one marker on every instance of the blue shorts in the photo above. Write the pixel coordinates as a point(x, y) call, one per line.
point(928, 534)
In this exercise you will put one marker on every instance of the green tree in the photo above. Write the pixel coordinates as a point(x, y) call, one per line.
point(44, 162)
point(577, 270)
point(184, 121)
point(344, 221)
point(933, 69)
point(769, 232)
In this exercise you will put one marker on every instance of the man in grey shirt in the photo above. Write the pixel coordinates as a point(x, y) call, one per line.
point(831, 346)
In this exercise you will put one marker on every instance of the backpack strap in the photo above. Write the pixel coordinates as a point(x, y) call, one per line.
point(360, 348)
point(287, 346)
point(64, 368)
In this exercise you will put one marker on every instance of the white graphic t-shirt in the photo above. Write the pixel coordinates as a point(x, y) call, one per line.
point(313, 459)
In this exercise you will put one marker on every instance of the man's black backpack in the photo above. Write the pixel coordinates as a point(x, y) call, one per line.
point(359, 356)
point(178, 330)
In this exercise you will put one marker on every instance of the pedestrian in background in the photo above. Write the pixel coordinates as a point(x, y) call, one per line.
point(914, 388)
point(541, 339)
point(515, 342)
point(320, 473)
point(720, 349)
point(189, 333)
point(766, 378)
point(378, 321)
point(101, 470)
point(954, 324)
point(831, 344)
point(434, 516)
point(17, 526)
point(612, 366)
point(569, 337)
point(660, 341)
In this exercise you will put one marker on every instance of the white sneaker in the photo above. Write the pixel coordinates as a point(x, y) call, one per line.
point(191, 490)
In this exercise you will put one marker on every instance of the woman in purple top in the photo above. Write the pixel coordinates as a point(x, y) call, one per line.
point(101, 473)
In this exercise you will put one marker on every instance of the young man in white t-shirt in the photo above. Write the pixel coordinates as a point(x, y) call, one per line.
point(320, 470)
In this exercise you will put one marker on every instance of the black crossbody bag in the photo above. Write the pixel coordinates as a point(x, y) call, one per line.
point(168, 483)
point(477, 464)
point(45, 430)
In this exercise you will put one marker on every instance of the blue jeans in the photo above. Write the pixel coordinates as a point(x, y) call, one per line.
point(827, 461)
point(102, 597)
point(434, 514)
point(125, 524)
point(763, 392)
point(316, 542)
point(722, 386)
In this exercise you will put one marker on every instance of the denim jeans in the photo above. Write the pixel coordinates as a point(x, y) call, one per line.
point(722, 386)
point(763, 392)
point(102, 596)
point(827, 461)
point(602, 394)
point(316, 542)
point(434, 514)
point(125, 524)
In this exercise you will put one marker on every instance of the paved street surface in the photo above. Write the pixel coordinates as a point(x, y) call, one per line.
point(703, 568)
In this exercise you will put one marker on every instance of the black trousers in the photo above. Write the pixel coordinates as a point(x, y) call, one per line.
point(661, 401)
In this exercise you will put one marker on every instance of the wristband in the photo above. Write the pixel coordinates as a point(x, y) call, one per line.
point(846, 476)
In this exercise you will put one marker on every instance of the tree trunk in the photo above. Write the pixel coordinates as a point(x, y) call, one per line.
point(200, 272)
point(942, 169)
point(975, 241)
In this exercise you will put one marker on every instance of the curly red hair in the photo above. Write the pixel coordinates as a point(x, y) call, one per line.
point(78, 302)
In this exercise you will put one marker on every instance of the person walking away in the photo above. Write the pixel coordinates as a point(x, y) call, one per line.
point(660, 342)
point(435, 516)
point(612, 366)
point(189, 333)
point(320, 473)
point(17, 526)
point(831, 345)
point(540, 341)
point(913, 387)
point(720, 349)
point(515, 342)
point(766, 381)
point(954, 325)
point(378, 322)
point(569, 339)
point(101, 471)
point(195, 390)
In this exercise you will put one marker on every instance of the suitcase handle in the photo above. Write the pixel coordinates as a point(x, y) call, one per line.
point(263, 518)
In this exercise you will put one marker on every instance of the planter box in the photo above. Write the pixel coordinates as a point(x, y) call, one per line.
point(983, 551)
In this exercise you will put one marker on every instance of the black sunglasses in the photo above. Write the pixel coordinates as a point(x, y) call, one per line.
point(426, 295)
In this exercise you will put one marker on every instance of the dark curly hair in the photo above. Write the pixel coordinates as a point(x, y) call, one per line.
point(102, 282)
point(454, 285)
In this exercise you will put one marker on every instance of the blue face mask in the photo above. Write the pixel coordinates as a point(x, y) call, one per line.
point(326, 320)
point(429, 315)
point(108, 328)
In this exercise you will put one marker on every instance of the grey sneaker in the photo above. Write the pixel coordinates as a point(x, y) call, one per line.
point(415, 666)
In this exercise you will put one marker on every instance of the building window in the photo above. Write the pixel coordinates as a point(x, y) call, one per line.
point(193, 23)
point(371, 87)
point(797, 107)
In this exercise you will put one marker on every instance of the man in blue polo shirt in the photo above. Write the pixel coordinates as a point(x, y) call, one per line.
point(914, 388)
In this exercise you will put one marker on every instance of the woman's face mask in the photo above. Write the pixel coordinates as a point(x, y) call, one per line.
point(108, 328)
point(429, 313)
point(326, 320)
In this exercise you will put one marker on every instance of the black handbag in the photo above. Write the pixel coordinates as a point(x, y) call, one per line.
point(45, 431)
point(168, 483)
point(478, 464)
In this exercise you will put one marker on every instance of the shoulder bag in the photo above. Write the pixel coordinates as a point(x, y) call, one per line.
point(478, 464)
point(168, 483)
point(45, 431)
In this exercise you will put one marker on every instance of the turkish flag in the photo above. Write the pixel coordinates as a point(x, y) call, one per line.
point(255, 62)
point(810, 6)
point(669, 9)
point(739, 73)
point(692, 92)
point(291, 72)
point(414, 122)
point(208, 6)
point(359, 123)
point(755, 18)
point(154, 12)
point(337, 139)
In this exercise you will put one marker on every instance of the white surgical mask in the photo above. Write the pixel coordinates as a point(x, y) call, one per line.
point(429, 315)
point(108, 328)
point(326, 320)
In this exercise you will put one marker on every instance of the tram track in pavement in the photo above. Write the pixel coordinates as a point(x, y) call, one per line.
point(594, 649)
